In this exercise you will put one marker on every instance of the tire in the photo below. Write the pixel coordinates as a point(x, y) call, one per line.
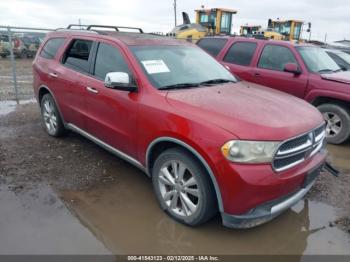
point(338, 122)
point(51, 117)
point(3, 56)
point(204, 205)
point(23, 54)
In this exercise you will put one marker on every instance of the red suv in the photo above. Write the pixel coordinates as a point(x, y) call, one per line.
point(210, 142)
point(305, 71)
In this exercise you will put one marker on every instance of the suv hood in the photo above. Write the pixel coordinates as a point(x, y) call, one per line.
point(247, 110)
point(342, 77)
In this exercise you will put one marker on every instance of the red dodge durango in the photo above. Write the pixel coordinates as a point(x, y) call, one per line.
point(210, 142)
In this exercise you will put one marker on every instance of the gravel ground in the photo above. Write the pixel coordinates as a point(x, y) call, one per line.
point(28, 157)
point(24, 79)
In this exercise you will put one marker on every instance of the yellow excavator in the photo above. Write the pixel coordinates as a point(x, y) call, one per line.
point(214, 21)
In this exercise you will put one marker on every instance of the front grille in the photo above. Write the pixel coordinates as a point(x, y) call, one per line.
point(296, 150)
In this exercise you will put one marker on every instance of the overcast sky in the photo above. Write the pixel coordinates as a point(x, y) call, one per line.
point(327, 16)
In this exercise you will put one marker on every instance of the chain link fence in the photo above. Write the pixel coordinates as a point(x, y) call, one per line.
point(18, 47)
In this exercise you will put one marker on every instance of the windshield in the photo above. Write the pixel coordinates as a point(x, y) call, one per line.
point(344, 56)
point(317, 60)
point(180, 66)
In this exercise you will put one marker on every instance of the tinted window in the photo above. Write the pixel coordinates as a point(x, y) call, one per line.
point(50, 49)
point(275, 57)
point(240, 53)
point(211, 45)
point(109, 59)
point(77, 55)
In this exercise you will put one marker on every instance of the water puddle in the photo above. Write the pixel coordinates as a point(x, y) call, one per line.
point(37, 222)
point(9, 106)
point(125, 216)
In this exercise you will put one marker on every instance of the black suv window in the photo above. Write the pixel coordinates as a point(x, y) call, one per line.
point(51, 47)
point(109, 59)
point(240, 53)
point(77, 55)
point(212, 45)
point(275, 57)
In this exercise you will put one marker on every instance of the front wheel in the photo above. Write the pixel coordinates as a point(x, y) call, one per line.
point(183, 188)
point(338, 122)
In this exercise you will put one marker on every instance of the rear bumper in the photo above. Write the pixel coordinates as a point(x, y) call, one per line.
point(271, 209)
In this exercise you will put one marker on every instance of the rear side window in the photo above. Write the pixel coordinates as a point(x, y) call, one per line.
point(51, 47)
point(109, 59)
point(77, 55)
point(212, 45)
point(240, 53)
point(274, 57)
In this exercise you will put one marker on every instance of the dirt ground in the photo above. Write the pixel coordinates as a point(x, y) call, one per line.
point(24, 79)
point(87, 179)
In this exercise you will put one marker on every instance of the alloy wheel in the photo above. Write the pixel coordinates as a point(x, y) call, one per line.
point(179, 188)
point(334, 124)
point(50, 117)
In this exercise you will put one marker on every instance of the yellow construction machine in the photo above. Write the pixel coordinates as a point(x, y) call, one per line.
point(215, 21)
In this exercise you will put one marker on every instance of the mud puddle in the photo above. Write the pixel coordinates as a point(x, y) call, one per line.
point(37, 222)
point(125, 216)
point(9, 106)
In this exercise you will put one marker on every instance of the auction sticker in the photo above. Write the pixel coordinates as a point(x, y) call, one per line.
point(155, 66)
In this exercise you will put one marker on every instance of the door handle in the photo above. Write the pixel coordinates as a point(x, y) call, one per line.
point(257, 74)
point(54, 75)
point(92, 90)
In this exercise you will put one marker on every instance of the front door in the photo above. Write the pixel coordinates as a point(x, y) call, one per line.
point(270, 71)
point(111, 114)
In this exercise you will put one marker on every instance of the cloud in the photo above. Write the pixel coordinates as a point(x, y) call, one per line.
point(157, 15)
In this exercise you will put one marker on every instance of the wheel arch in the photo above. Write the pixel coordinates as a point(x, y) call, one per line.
point(162, 143)
point(326, 100)
point(43, 90)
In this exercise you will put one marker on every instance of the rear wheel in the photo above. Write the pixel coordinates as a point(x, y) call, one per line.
point(51, 118)
point(338, 122)
point(182, 187)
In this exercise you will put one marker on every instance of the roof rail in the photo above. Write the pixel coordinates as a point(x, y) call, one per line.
point(77, 25)
point(114, 27)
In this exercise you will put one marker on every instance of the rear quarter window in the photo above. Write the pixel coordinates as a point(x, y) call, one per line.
point(212, 45)
point(241, 53)
point(51, 47)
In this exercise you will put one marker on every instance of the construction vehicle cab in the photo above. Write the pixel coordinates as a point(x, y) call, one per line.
point(289, 29)
point(249, 30)
point(218, 21)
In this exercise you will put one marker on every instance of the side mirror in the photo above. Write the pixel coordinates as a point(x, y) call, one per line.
point(292, 68)
point(120, 81)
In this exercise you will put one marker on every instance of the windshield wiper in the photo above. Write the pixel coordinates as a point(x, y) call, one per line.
point(326, 70)
point(179, 86)
point(217, 81)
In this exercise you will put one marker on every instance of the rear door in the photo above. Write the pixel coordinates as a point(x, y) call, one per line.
point(71, 77)
point(269, 70)
point(111, 114)
point(238, 59)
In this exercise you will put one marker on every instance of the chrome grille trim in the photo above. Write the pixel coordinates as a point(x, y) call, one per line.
point(297, 153)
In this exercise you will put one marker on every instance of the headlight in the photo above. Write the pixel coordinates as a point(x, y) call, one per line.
point(249, 151)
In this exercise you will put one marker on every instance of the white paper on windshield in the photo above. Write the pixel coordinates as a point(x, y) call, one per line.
point(155, 66)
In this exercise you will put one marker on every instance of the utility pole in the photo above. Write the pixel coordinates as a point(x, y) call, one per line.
point(175, 12)
point(325, 38)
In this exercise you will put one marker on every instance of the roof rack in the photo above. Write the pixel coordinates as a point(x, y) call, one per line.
point(114, 27)
point(82, 27)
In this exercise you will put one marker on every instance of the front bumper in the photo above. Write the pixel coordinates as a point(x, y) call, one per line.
point(271, 209)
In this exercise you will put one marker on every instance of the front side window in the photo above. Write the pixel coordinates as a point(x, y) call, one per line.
point(109, 59)
point(317, 60)
point(51, 47)
point(167, 66)
point(240, 53)
point(77, 55)
point(275, 57)
point(212, 45)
